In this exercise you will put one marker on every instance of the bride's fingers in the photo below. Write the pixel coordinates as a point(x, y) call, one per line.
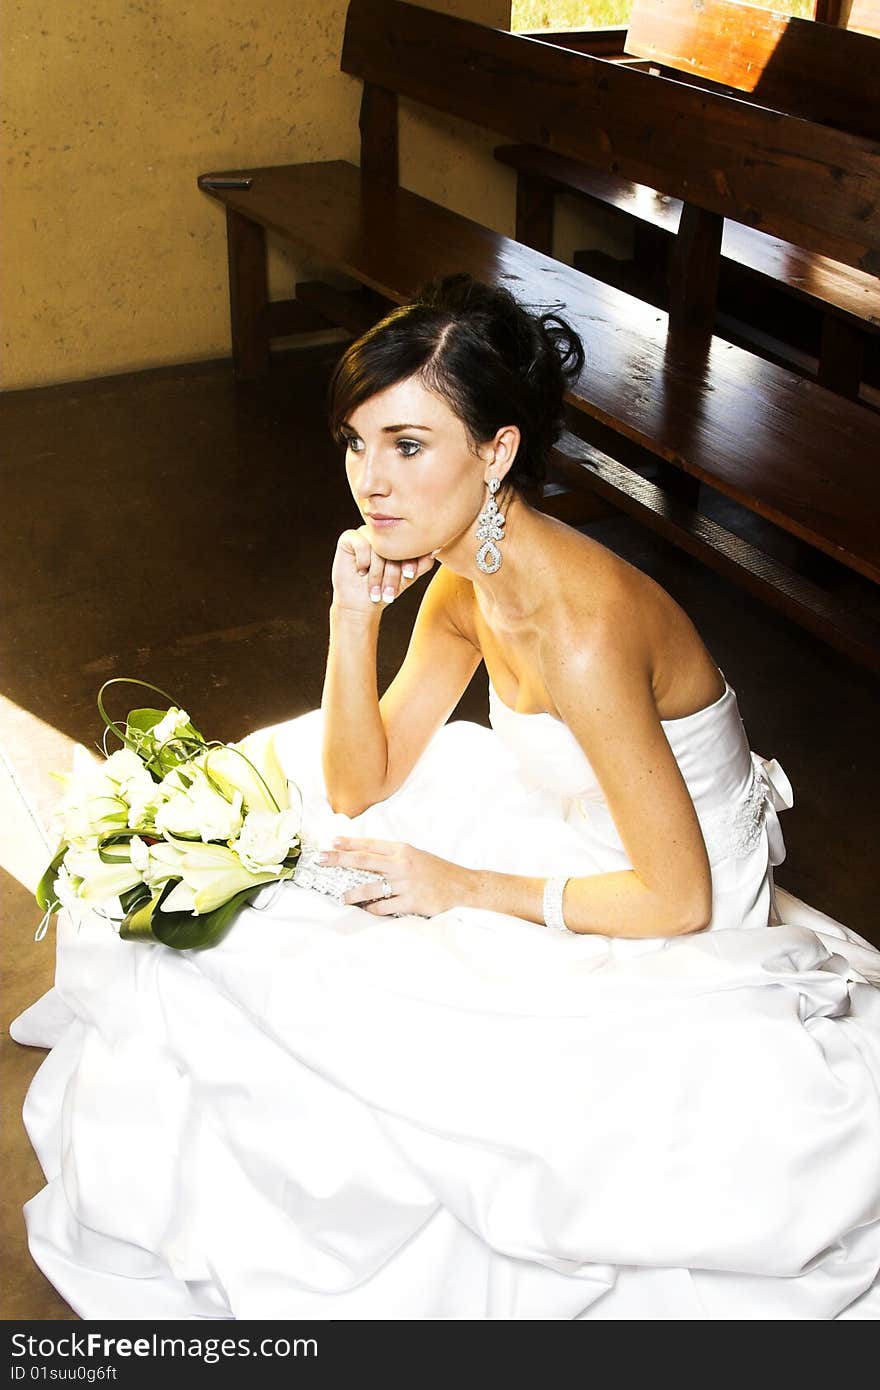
point(362, 894)
point(371, 898)
point(390, 581)
point(370, 862)
point(383, 907)
point(362, 843)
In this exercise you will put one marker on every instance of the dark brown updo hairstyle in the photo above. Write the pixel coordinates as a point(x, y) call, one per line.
point(478, 348)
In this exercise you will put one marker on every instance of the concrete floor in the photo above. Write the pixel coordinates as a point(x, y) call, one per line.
point(173, 526)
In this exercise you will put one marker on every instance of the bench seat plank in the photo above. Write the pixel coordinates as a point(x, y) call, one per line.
point(817, 280)
point(781, 446)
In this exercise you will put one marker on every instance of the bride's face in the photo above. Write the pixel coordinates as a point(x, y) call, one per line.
point(416, 480)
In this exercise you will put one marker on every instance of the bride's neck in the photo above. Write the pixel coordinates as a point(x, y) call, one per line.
point(513, 592)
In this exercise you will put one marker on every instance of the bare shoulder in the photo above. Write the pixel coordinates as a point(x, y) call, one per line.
point(601, 602)
point(614, 629)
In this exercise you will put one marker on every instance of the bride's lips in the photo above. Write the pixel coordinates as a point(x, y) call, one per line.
point(378, 519)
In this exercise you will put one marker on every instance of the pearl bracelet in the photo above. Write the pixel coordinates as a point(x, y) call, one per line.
point(554, 890)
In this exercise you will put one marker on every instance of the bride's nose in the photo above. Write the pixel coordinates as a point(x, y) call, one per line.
point(372, 478)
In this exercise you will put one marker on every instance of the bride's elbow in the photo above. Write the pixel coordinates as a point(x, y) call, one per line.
point(342, 805)
point(350, 802)
point(693, 915)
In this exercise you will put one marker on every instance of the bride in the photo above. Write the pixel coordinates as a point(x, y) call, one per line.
point(563, 1050)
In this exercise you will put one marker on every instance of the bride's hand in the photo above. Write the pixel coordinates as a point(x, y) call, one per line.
point(420, 882)
point(364, 580)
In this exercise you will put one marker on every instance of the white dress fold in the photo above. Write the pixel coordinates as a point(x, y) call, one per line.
point(334, 1115)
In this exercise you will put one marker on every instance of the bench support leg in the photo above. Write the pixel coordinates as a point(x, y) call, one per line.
point(684, 487)
point(841, 357)
point(378, 126)
point(693, 272)
point(248, 295)
point(534, 214)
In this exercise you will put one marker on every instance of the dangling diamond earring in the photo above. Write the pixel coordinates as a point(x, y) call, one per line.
point(490, 528)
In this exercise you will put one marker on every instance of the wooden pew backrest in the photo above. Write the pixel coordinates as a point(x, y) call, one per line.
point(807, 183)
point(817, 71)
point(863, 16)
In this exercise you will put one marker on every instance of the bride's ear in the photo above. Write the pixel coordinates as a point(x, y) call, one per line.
point(501, 453)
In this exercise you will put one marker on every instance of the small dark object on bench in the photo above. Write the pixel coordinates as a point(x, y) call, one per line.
point(208, 182)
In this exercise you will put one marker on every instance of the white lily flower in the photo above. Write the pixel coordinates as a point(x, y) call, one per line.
point(180, 899)
point(143, 802)
point(65, 888)
point(170, 725)
point(266, 838)
point(134, 785)
point(197, 809)
point(155, 869)
point(139, 854)
point(232, 771)
point(91, 805)
point(124, 767)
point(212, 874)
point(99, 881)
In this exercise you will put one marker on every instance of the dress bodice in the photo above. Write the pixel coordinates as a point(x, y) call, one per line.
point(735, 792)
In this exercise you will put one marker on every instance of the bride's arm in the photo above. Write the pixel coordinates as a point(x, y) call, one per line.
point(354, 751)
point(605, 698)
point(610, 904)
point(371, 746)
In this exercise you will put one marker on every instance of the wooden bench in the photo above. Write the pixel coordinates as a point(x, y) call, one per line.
point(797, 307)
point(703, 410)
point(821, 72)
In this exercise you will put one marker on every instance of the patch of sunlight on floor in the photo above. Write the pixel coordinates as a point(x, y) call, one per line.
point(29, 751)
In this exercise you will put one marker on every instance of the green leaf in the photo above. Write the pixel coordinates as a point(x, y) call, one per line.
point(144, 720)
point(137, 925)
point(134, 740)
point(113, 854)
point(184, 932)
point(44, 894)
point(134, 898)
point(145, 921)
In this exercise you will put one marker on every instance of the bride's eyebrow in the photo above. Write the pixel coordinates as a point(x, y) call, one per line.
point(389, 429)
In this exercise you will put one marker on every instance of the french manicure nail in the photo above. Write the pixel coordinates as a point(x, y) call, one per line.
point(322, 857)
point(409, 571)
point(387, 595)
point(375, 594)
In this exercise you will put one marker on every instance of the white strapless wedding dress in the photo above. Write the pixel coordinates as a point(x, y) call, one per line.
point(334, 1115)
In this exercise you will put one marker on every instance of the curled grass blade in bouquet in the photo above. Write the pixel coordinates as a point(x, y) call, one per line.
point(171, 834)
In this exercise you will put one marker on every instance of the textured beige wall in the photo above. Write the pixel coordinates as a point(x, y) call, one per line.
point(110, 258)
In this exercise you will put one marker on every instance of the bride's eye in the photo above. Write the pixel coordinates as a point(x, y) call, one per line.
point(349, 440)
point(416, 445)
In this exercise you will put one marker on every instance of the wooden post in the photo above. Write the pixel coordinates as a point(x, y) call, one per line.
point(830, 12)
point(535, 203)
point(693, 272)
point(841, 356)
point(248, 295)
point(378, 127)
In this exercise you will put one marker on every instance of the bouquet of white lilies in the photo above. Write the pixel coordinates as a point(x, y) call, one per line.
point(171, 834)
